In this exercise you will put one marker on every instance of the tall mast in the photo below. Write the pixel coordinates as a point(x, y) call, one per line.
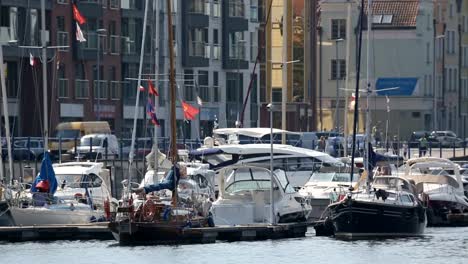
point(284, 89)
point(156, 79)
point(44, 75)
point(172, 86)
point(348, 56)
point(137, 101)
point(369, 85)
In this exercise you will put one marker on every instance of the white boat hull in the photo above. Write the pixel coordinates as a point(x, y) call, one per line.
point(45, 216)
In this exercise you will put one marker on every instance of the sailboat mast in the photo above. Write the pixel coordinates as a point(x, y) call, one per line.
point(369, 85)
point(156, 80)
point(137, 101)
point(44, 75)
point(172, 83)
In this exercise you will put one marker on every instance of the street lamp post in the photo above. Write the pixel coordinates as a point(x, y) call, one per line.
point(337, 76)
point(98, 82)
point(435, 123)
point(240, 44)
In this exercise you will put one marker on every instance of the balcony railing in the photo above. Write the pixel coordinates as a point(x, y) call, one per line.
point(100, 90)
point(237, 52)
point(199, 49)
point(114, 4)
point(216, 52)
point(81, 89)
point(204, 92)
point(63, 88)
point(197, 6)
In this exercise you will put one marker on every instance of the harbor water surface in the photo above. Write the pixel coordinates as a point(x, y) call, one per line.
point(438, 245)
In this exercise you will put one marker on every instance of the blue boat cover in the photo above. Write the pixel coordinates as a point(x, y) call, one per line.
point(47, 173)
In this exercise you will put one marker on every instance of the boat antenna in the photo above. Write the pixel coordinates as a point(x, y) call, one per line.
point(356, 105)
point(131, 155)
point(172, 86)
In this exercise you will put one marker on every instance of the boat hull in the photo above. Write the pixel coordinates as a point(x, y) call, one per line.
point(5, 215)
point(438, 211)
point(44, 216)
point(362, 219)
point(137, 233)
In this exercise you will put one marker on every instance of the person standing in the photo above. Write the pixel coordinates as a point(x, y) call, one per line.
point(321, 144)
point(423, 146)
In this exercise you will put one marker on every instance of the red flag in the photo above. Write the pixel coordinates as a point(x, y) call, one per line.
point(189, 111)
point(151, 88)
point(154, 119)
point(77, 15)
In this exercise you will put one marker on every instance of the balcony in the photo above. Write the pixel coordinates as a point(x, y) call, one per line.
point(81, 89)
point(237, 52)
point(199, 49)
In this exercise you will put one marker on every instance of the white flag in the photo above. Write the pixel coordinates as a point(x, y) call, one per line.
point(32, 61)
point(79, 34)
point(199, 101)
point(352, 102)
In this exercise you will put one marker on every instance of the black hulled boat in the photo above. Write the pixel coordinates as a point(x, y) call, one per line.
point(391, 209)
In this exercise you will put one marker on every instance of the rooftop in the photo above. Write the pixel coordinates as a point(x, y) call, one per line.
point(391, 14)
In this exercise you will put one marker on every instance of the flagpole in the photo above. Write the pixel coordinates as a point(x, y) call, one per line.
point(44, 75)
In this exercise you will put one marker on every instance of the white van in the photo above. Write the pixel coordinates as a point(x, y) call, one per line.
point(94, 146)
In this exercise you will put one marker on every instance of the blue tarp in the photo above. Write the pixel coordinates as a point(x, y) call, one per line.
point(47, 173)
point(406, 86)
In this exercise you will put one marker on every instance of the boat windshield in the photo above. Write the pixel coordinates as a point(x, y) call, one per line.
point(331, 177)
point(70, 180)
point(248, 179)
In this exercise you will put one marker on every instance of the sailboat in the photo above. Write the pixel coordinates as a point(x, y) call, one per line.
point(156, 221)
point(387, 206)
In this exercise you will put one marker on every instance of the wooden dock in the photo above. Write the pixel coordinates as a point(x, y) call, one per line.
point(100, 231)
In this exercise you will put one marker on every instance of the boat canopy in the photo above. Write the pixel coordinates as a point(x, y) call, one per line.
point(255, 132)
point(436, 179)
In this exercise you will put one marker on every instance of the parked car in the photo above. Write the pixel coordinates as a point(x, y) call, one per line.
point(413, 141)
point(94, 146)
point(448, 138)
point(28, 149)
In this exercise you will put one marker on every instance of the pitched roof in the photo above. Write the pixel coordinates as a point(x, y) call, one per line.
point(391, 14)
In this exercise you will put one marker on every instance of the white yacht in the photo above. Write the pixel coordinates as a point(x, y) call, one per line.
point(254, 135)
point(298, 163)
point(244, 197)
point(440, 186)
point(325, 187)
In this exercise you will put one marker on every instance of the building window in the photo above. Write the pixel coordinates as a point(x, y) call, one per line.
point(100, 89)
point(215, 87)
point(253, 46)
point(115, 90)
point(338, 69)
point(338, 29)
point(196, 6)
point(62, 1)
point(114, 4)
point(81, 89)
point(189, 85)
point(216, 48)
point(236, 45)
point(33, 33)
point(203, 88)
point(428, 52)
point(216, 8)
point(254, 10)
point(236, 8)
point(198, 39)
point(62, 82)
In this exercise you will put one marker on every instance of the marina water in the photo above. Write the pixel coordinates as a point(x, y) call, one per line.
point(438, 245)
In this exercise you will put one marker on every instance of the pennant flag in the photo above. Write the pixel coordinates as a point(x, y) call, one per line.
point(79, 34)
point(77, 15)
point(189, 111)
point(32, 60)
point(151, 112)
point(199, 101)
point(151, 88)
point(352, 102)
point(141, 88)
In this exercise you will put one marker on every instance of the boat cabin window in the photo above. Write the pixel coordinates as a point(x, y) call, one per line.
point(332, 177)
point(406, 199)
point(70, 180)
point(247, 179)
point(217, 159)
point(92, 180)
